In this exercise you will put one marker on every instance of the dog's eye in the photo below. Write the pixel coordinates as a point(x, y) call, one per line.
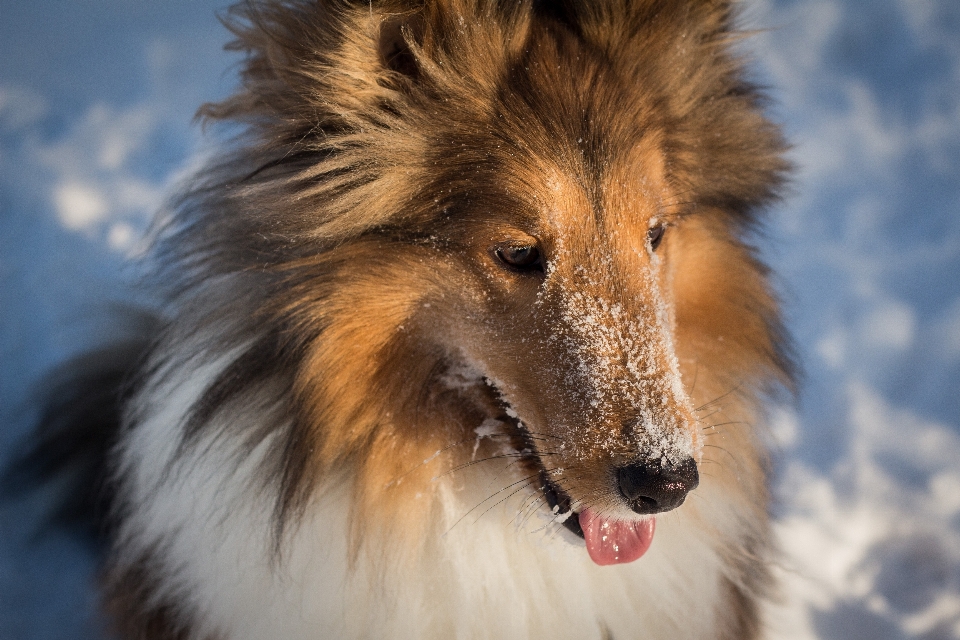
point(654, 236)
point(521, 258)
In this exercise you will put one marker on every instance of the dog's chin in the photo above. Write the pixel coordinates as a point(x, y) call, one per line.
point(609, 538)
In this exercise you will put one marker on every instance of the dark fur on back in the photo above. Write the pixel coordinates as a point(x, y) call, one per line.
point(82, 403)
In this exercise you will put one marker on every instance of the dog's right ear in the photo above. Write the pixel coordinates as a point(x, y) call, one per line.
point(400, 37)
point(561, 11)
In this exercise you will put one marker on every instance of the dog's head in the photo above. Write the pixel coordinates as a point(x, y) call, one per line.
point(552, 196)
point(565, 303)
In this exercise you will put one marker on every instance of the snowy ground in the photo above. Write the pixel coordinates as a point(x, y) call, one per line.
point(95, 105)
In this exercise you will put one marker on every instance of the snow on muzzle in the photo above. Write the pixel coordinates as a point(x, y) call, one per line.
point(629, 429)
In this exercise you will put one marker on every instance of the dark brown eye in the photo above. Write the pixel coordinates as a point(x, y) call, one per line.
point(521, 258)
point(654, 236)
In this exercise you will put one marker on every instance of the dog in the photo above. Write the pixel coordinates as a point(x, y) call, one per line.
point(465, 336)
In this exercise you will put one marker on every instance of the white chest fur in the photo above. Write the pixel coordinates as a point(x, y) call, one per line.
point(206, 514)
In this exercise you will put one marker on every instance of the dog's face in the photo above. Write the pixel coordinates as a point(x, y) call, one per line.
point(559, 253)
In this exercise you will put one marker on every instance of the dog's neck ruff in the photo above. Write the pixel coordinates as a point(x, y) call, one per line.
point(484, 576)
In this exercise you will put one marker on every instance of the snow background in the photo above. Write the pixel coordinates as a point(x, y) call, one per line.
point(96, 100)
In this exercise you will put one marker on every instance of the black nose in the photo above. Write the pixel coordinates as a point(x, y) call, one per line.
point(652, 487)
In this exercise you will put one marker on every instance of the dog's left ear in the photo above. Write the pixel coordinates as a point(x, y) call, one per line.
point(352, 56)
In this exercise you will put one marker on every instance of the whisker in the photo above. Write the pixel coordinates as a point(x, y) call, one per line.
point(461, 467)
point(545, 436)
point(502, 500)
point(539, 493)
point(527, 509)
point(696, 373)
point(736, 462)
point(519, 455)
point(718, 398)
point(711, 414)
point(479, 504)
point(531, 506)
point(723, 424)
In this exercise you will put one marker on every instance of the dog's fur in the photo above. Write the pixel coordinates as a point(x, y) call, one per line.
point(362, 420)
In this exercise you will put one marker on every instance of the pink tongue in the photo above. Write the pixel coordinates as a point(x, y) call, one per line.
point(615, 541)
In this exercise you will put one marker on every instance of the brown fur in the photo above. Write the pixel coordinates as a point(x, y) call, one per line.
point(347, 245)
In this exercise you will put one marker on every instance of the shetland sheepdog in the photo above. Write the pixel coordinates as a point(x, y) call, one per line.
point(465, 335)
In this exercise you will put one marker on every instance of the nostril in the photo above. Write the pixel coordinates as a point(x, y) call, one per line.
point(635, 481)
point(653, 487)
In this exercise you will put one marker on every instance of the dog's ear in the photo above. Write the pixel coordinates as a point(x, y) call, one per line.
point(558, 10)
point(399, 36)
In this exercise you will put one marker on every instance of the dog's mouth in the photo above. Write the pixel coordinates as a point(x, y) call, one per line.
point(557, 499)
point(608, 540)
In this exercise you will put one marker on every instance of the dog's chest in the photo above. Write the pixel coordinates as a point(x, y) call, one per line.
point(479, 577)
